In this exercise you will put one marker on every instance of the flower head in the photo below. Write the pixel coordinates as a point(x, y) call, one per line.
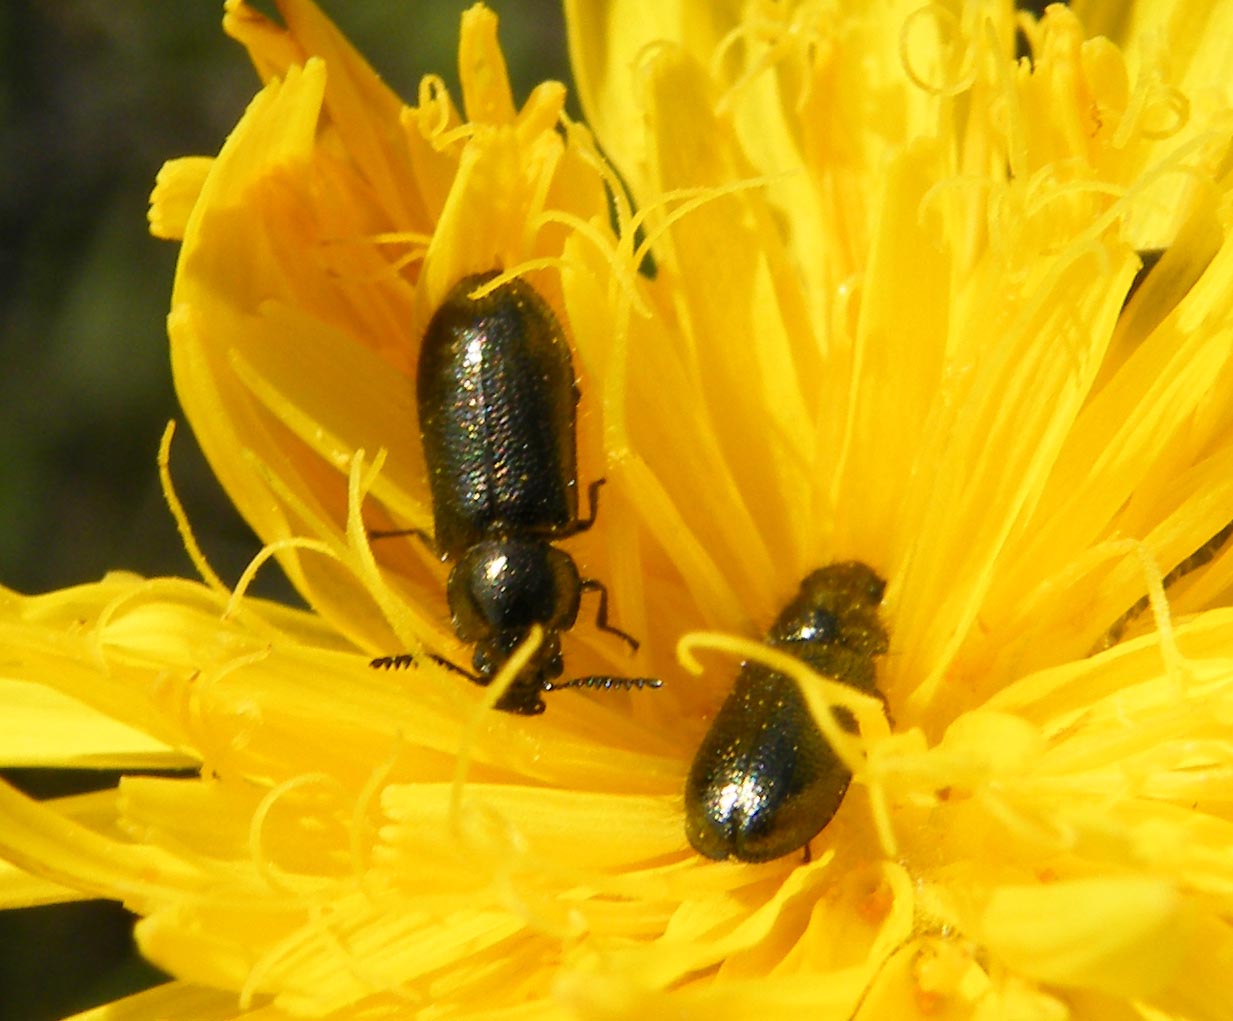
point(839, 283)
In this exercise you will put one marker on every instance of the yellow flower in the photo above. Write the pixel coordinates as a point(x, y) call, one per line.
point(861, 289)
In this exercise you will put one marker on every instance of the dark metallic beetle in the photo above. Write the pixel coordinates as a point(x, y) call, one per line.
point(497, 405)
point(1149, 258)
point(765, 781)
point(1201, 557)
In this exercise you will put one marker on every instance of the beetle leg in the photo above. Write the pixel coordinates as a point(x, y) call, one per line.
point(405, 659)
point(395, 533)
point(601, 613)
point(582, 524)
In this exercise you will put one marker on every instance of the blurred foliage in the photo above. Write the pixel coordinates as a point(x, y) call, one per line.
point(94, 96)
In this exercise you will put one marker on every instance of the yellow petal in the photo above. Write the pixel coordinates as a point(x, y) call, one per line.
point(176, 188)
point(1123, 935)
point(608, 40)
point(42, 727)
point(19, 889)
point(172, 999)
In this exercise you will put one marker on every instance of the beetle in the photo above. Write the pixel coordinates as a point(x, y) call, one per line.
point(497, 405)
point(1149, 259)
point(1201, 557)
point(764, 781)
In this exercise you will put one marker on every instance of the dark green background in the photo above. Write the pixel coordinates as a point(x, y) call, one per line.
point(94, 96)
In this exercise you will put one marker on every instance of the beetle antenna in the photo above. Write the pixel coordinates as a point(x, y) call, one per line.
point(608, 683)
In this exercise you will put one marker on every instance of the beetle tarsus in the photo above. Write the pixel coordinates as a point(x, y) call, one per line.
point(400, 662)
